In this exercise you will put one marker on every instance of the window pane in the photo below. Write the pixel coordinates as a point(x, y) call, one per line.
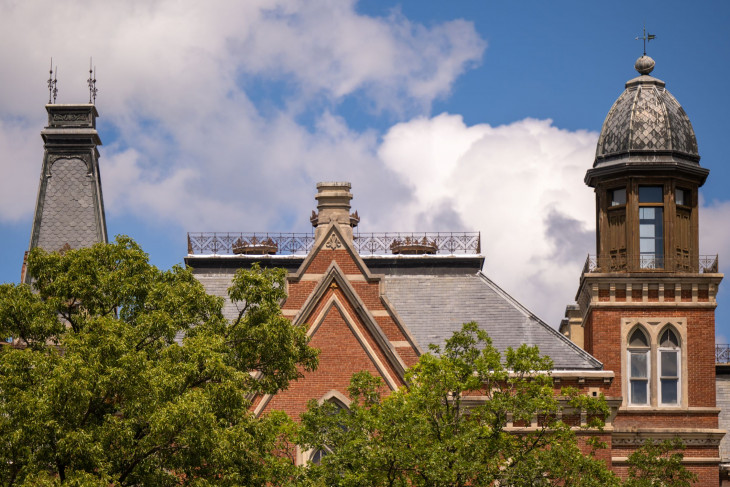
point(647, 213)
point(669, 363)
point(317, 456)
point(617, 196)
point(669, 391)
point(647, 245)
point(638, 391)
point(638, 364)
point(647, 230)
point(681, 197)
point(638, 339)
point(650, 194)
point(669, 340)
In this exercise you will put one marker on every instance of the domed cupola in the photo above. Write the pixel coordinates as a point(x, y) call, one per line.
point(646, 176)
point(646, 127)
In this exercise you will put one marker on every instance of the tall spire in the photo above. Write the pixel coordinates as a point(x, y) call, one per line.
point(70, 208)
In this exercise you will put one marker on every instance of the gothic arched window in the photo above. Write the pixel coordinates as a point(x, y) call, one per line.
point(668, 367)
point(319, 453)
point(638, 355)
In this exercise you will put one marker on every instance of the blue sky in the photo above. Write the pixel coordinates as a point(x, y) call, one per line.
point(461, 115)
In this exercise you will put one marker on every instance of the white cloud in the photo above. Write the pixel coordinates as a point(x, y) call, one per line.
point(21, 154)
point(196, 148)
point(173, 78)
point(520, 185)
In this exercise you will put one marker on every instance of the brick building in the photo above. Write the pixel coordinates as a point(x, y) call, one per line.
point(646, 301)
point(641, 333)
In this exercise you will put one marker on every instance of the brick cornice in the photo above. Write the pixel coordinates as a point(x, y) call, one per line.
point(689, 436)
point(663, 290)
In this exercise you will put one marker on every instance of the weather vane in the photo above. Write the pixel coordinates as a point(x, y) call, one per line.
point(92, 84)
point(52, 80)
point(646, 38)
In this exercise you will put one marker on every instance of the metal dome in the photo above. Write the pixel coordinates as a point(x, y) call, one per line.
point(646, 125)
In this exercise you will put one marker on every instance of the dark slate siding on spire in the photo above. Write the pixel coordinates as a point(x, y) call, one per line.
point(433, 307)
point(68, 207)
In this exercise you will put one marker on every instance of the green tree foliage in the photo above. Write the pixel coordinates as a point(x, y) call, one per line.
point(449, 427)
point(99, 392)
point(659, 464)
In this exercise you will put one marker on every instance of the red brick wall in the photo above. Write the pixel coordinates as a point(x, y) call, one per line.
point(708, 475)
point(603, 341)
point(341, 356)
point(341, 353)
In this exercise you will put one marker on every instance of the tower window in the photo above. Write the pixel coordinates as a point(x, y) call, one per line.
point(650, 194)
point(651, 227)
point(617, 196)
point(683, 197)
point(651, 237)
point(638, 368)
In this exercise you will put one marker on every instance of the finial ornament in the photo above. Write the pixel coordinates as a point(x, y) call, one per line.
point(644, 65)
point(92, 84)
point(52, 81)
point(646, 38)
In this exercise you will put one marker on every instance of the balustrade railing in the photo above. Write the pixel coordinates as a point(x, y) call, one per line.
point(217, 243)
point(722, 353)
point(622, 262)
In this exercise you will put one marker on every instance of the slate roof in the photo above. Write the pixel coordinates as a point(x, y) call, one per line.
point(70, 206)
point(646, 119)
point(68, 215)
point(433, 296)
point(435, 306)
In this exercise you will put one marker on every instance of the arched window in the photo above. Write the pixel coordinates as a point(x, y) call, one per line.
point(668, 368)
point(638, 357)
point(319, 453)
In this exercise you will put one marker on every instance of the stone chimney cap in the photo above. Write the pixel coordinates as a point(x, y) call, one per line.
point(334, 184)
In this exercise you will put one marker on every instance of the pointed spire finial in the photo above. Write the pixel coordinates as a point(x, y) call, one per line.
point(92, 84)
point(646, 38)
point(52, 81)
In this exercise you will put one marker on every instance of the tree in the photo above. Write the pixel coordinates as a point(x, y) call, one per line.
point(449, 426)
point(123, 374)
point(659, 464)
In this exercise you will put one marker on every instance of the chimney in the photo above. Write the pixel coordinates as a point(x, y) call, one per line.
point(333, 205)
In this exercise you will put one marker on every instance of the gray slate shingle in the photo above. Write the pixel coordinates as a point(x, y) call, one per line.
point(68, 211)
point(434, 307)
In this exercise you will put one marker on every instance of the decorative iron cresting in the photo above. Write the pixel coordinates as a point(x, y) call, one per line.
point(52, 84)
point(219, 243)
point(706, 264)
point(92, 84)
point(722, 353)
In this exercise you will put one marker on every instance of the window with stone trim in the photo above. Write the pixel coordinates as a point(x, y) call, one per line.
point(654, 362)
point(316, 455)
point(668, 362)
point(639, 363)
